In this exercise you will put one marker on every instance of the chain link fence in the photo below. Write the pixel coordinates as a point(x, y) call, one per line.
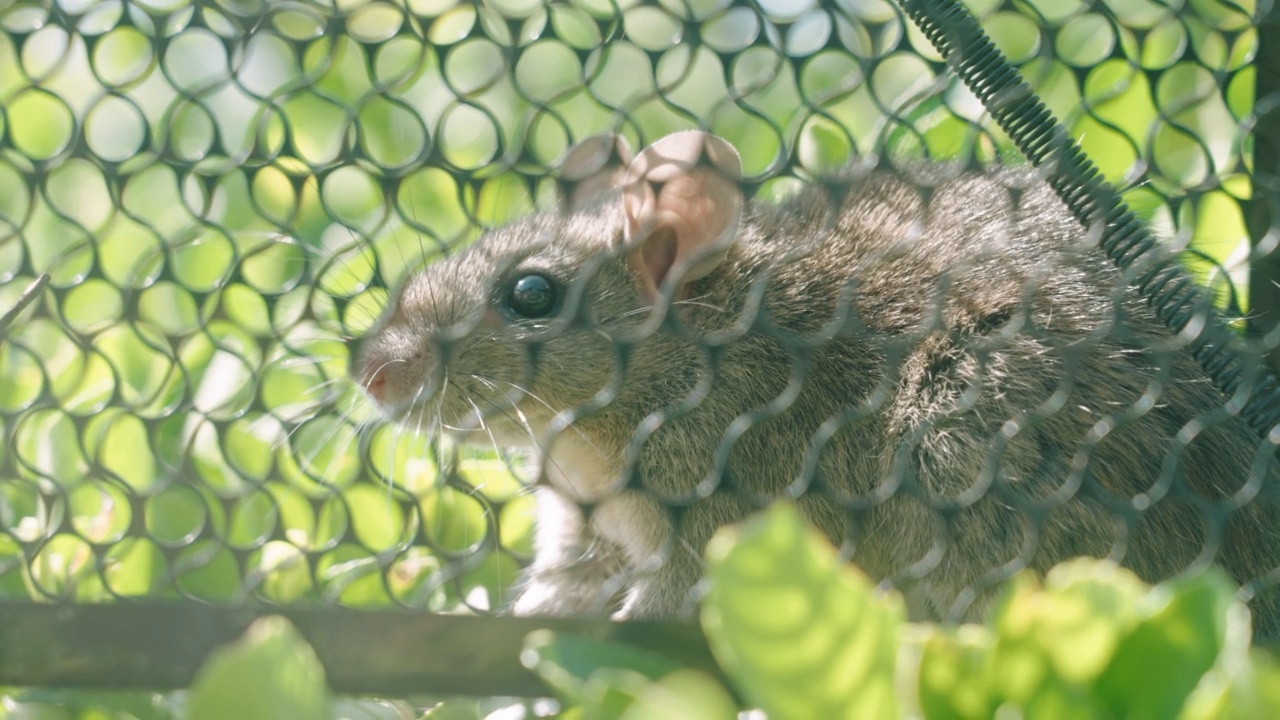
point(221, 192)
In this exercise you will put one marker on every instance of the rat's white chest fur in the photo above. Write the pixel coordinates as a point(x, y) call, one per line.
point(629, 521)
point(580, 470)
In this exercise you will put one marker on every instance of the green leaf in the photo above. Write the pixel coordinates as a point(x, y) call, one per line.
point(1085, 609)
point(1243, 683)
point(1162, 660)
point(1023, 671)
point(455, 710)
point(1084, 645)
point(954, 676)
point(629, 695)
point(613, 680)
point(268, 673)
point(567, 662)
point(799, 632)
point(1246, 690)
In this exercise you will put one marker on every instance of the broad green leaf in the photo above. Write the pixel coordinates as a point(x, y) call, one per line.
point(268, 673)
point(1049, 647)
point(568, 662)
point(1162, 660)
point(1085, 609)
point(1021, 672)
point(1247, 690)
point(1244, 682)
point(801, 633)
point(629, 695)
point(954, 674)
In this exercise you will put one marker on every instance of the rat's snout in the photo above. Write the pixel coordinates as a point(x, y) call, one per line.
point(392, 381)
point(391, 373)
point(375, 385)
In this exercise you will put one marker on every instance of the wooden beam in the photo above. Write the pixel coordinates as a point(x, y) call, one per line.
point(160, 646)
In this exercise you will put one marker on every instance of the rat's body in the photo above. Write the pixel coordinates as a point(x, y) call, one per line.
point(978, 390)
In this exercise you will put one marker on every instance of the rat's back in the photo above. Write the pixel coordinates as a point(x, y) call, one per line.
point(1031, 409)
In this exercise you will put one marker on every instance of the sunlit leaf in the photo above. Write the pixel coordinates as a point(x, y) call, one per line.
point(1177, 644)
point(801, 633)
point(267, 674)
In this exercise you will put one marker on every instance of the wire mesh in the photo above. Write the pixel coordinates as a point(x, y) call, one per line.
point(223, 192)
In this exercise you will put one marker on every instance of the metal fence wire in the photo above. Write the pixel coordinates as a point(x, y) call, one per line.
point(934, 359)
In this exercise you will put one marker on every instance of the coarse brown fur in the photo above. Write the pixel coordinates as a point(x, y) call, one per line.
point(939, 365)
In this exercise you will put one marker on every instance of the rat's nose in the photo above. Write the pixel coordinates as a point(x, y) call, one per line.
point(390, 382)
point(391, 369)
point(376, 386)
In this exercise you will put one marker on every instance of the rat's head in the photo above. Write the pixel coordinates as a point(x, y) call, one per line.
point(524, 323)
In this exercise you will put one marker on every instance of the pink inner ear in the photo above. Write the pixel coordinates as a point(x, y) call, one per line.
point(659, 254)
point(682, 203)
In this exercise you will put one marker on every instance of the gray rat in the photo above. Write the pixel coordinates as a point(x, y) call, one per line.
point(936, 363)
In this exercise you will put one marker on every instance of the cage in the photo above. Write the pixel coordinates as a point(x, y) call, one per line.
point(205, 200)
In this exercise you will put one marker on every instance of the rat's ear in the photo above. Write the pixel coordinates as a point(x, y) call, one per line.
point(591, 168)
point(683, 202)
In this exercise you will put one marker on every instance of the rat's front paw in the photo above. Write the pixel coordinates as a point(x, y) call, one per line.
point(585, 589)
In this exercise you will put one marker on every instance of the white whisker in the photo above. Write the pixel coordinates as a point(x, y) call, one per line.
point(322, 386)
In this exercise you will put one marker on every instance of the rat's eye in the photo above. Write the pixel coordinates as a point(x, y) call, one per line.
point(533, 296)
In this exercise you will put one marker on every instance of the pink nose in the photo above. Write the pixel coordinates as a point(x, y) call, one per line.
point(376, 386)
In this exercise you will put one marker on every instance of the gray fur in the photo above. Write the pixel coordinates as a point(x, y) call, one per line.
point(1003, 398)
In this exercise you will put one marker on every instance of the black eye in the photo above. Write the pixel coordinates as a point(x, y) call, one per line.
point(533, 296)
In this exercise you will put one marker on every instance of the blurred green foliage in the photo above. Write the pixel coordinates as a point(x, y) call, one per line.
point(800, 634)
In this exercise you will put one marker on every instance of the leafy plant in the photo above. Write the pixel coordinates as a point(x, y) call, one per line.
point(271, 672)
point(800, 634)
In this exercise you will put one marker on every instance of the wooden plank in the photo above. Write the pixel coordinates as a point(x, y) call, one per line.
point(160, 646)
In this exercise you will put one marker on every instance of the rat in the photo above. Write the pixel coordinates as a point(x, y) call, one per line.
point(935, 362)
